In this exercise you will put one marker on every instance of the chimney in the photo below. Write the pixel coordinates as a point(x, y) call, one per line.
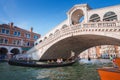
point(31, 29)
point(11, 25)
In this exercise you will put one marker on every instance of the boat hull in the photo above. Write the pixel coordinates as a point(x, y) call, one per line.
point(117, 62)
point(109, 73)
point(39, 64)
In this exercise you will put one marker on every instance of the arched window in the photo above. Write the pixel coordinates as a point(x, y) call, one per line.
point(94, 18)
point(110, 16)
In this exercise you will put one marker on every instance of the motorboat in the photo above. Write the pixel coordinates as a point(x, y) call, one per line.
point(109, 73)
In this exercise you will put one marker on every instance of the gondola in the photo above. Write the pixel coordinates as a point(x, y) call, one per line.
point(39, 64)
point(3, 60)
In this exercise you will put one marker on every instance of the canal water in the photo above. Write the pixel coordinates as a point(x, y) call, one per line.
point(83, 70)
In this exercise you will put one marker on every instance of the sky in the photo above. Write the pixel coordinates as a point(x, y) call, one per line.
point(43, 15)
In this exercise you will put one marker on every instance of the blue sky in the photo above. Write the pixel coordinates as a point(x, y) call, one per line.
point(42, 15)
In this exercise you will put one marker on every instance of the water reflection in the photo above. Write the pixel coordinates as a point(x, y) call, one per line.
point(76, 72)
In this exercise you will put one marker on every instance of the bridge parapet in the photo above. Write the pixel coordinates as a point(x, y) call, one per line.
point(106, 26)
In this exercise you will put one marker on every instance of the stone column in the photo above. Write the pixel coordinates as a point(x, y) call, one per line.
point(116, 51)
point(98, 51)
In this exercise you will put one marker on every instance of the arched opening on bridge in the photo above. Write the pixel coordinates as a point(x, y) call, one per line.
point(45, 38)
point(94, 18)
point(64, 26)
point(3, 53)
point(77, 17)
point(15, 51)
point(50, 35)
point(110, 16)
point(57, 32)
point(40, 41)
point(36, 43)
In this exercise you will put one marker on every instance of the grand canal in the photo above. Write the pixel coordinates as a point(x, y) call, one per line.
point(79, 71)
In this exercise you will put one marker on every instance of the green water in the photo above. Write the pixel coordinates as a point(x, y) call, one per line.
point(76, 72)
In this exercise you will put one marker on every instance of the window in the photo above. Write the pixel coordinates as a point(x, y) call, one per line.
point(3, 41)
point(16, 33)
point(28, 44)
point(27, 35)
point(35, 37)
point(94, 18)
point(16, 42)
point(5, 31)
point(110, 16)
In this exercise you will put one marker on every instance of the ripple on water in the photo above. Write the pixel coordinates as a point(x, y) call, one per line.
point(75, 72)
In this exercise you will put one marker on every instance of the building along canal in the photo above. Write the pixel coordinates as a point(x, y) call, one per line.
point(83, 70)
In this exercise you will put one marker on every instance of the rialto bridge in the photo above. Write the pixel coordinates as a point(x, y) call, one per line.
point(83, 28)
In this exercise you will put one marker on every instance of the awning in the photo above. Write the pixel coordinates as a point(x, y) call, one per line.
point(25, 48)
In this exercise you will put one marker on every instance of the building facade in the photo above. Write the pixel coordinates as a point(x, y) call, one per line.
point(14, 40)
point(103, 51)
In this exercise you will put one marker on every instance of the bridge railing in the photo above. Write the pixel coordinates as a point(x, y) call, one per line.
point(102, 24)
point(79, 28)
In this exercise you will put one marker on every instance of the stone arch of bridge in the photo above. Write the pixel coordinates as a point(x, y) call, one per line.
point(77, 43)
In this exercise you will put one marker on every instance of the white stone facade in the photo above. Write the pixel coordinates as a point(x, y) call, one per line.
point(82, 10)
